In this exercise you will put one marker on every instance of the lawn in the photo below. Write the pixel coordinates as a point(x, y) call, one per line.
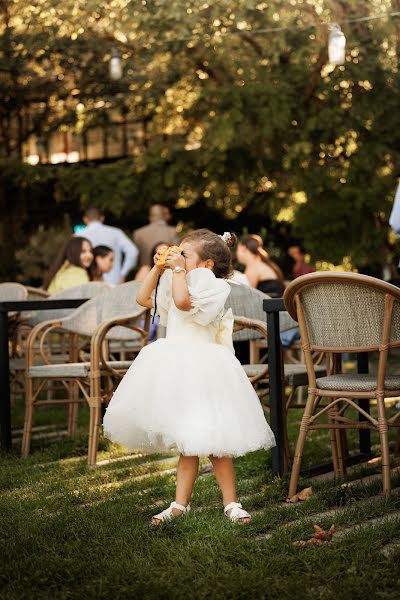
point(69, 532)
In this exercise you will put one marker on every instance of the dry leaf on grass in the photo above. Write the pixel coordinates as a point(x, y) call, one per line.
point(320, 537)
point(301, 496)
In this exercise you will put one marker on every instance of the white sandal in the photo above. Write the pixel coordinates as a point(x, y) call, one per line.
point(167, 514)
point(237, 512)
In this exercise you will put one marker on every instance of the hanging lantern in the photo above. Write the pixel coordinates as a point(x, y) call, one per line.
point(115, 65)
point(336, 46)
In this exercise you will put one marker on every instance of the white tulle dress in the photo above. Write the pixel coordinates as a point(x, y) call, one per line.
point(188, 392)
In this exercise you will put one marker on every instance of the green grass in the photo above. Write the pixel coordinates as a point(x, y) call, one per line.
point(69, 532)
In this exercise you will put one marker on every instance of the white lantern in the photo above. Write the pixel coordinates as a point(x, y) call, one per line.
point(336, 46)
point(115, 66)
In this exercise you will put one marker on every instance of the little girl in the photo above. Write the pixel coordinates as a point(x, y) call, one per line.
point(188, 392)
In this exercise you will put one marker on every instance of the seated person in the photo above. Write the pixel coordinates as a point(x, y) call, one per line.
point(261, 272)
point(103, 260)
point(71, 267)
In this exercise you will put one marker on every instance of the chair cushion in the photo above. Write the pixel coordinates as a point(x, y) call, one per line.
point(255, 370)
point(295, 374)
point(73, 369)
point(356, 382)
point(18, 364)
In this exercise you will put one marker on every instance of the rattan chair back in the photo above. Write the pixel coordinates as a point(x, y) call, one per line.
point(12, 292)
point(117, 302)
point(85, 290)
point(339, 312)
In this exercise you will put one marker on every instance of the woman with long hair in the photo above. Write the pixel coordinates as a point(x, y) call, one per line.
point(71, 267)
point(262, 272)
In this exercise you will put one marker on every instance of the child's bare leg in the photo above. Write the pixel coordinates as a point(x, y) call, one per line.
point(225, 476)
point(188, 467)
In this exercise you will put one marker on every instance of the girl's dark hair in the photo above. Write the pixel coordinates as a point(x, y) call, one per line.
point(254, 244)
point(94, 269)
point(101, 251)
point(70, 252)
point(210, 245)
point(156, 246)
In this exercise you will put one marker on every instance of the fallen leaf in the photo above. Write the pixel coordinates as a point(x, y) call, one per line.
point(320, 537)
point(301, 496)
point(319, 533)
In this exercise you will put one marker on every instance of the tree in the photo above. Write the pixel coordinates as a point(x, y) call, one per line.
point(243, 122)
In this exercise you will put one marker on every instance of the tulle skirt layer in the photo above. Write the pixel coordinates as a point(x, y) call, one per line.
point(193, 398)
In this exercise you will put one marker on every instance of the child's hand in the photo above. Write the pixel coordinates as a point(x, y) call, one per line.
point(157, 255)
point(174, 259)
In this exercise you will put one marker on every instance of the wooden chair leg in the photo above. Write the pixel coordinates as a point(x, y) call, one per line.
point(92, 424)
point(92, 459)
point(74, 417)
point(72, 408)
point(27, 433)
point(305, 421)
point(333, 440)
point(343, 450)
point(95, 409)
point(340, 446)
point(384, 439)
point(286, 448)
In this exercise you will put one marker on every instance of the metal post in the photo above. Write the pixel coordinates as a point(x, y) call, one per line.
point(5, 404)
point(275, 390)
point(364, 434)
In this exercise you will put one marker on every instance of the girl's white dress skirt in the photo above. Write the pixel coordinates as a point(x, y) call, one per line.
point(188, 392)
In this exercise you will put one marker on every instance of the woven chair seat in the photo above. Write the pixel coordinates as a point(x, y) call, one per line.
point(133, 345)
point(18, 364)
point(73, 369)
point(255, 370)
point(295, 374)
point(355, 382)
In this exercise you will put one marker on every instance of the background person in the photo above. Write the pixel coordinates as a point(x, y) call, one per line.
point(261, 272)
point(148, 236)
point(105, 235)
point(144, 269)
point(297, 252)
point(103, 261)
point(71, 267)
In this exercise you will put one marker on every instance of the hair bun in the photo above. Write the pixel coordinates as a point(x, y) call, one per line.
point(229, 238)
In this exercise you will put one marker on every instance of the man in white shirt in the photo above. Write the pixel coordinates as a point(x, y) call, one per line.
point(104, 235)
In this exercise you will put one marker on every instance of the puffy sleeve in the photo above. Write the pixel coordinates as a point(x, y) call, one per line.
point(207, 294)
point(162, 301)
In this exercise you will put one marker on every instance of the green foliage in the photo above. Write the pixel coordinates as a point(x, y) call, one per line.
point(237, 121)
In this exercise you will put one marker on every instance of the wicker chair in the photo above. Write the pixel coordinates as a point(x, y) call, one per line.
point(248, 302)
point(85, 290)
point(110, 316)
point(28, 320)
point(294, 375)
point(345, 312)
point(12, 292)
